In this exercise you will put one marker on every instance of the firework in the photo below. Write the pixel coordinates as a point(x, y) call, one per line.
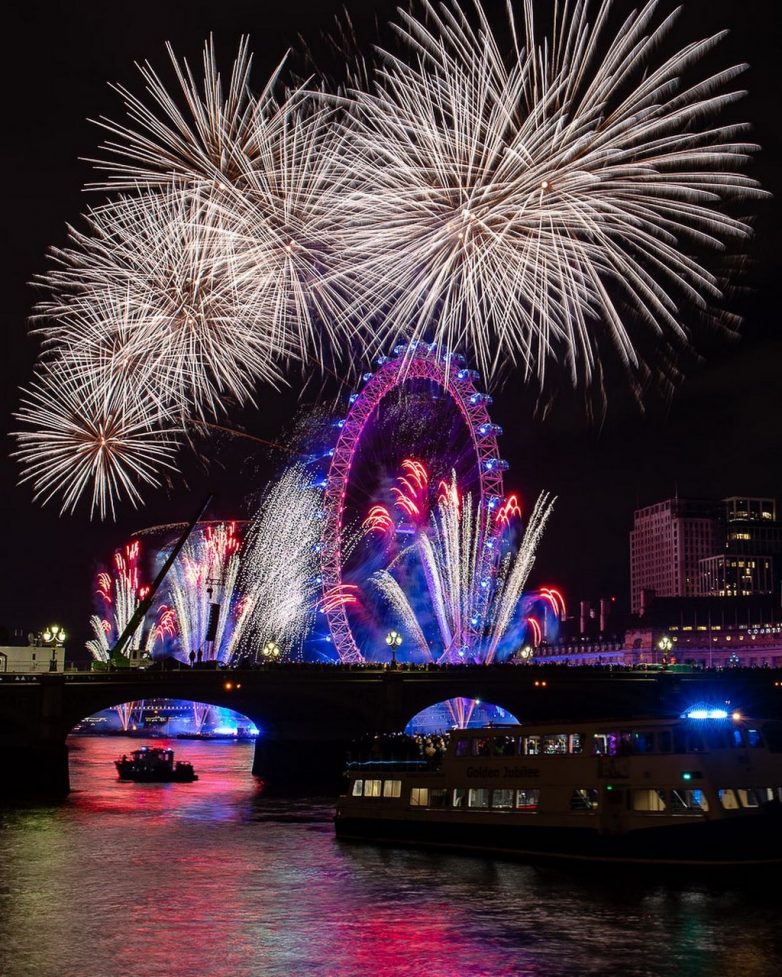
point(268, 160)
point(280, 579)
point(473, 589)
point(516, 202)
point(557, 202)
point(165, 283)
point(203, 591)
point(91, 429)
point(119, 592)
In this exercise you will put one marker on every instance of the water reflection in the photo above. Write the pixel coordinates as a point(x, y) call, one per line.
point(216, 878)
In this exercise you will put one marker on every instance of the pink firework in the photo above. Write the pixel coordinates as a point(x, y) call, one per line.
point(119, 593)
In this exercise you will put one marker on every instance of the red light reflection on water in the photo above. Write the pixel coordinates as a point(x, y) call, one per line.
point(223, 787)
point(422, 936)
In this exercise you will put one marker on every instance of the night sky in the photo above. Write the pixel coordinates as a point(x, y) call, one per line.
point(719, 435)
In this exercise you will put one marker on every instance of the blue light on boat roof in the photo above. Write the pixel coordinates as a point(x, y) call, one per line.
point(704, 713)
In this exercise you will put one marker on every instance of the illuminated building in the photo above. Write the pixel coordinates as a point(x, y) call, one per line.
point(667, 542)
point(726, 575)
point(692, 548)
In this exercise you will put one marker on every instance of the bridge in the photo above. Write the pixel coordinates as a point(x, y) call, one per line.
point(310, 713)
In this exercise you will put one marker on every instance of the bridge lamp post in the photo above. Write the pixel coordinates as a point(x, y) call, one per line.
point(526, 653)
point(665, 644)
point(393, 640)
point(270, 652)
point(53, 636)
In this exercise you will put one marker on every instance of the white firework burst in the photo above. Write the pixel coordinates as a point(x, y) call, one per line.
point(91, 430)
point(515, 202)
point(269, 160)
point(163, 280)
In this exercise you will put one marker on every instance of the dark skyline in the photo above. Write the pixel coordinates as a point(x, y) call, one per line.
point(719, 435)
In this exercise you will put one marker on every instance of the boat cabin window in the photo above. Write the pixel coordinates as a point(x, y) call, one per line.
point(688, 801)
point(584, 799)
point(504, 745)
point(372, 788)
point(754, 738)
point(688, 739)
point(716, 735)
point(695, 742)
point(459, 794)
point(419, 797)
point(358, 788)
point(664, 741)
point(438, 797)
point(748, 798)
point(502, 799)
point(478, 797)
point(648, 799)
point(738, 738)
point(552, 743)
point(392, 788)
point(612, 744)
point(643, 742)
point(728, 799)
point(555, 743)
point(527, 799)
point(531, 745)
point(482, 746)
point(463, 747)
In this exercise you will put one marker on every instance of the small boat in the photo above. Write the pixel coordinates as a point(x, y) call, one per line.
point(154, 765)
point(701, 789)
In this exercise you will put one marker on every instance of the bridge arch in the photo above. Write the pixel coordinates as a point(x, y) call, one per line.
point(458, 713)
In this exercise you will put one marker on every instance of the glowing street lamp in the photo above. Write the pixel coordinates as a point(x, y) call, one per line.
point(526, 653)
point(271, 652)
point(665, 645)
point(393, 640)
point(54, 636)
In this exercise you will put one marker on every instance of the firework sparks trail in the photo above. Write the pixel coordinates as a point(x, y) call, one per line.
point(537, 633)
point(411, 491)
point(127, 710)
point(514, 574)
point(514, 202)
point(461, 710)
point(509, 510)
point(201, 713)
point(280, 568)
point(206, 572)
point(472, 600)
point(341, 596)
point(378, 520)
point(410, 496)
point(119, 593)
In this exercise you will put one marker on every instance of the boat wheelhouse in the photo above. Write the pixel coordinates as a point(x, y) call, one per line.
point(154, 765)
point(702, 788)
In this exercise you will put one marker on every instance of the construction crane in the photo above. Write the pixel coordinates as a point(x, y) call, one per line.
point(117, 659)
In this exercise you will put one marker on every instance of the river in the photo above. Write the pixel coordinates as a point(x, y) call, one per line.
point(219, 879)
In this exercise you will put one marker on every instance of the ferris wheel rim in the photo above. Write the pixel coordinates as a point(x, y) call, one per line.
point(414, 361)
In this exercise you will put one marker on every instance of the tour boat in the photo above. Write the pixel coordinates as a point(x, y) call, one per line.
point(704, 788)
point(154, 765)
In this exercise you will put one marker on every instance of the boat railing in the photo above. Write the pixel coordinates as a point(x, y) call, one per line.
point(392, 765)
